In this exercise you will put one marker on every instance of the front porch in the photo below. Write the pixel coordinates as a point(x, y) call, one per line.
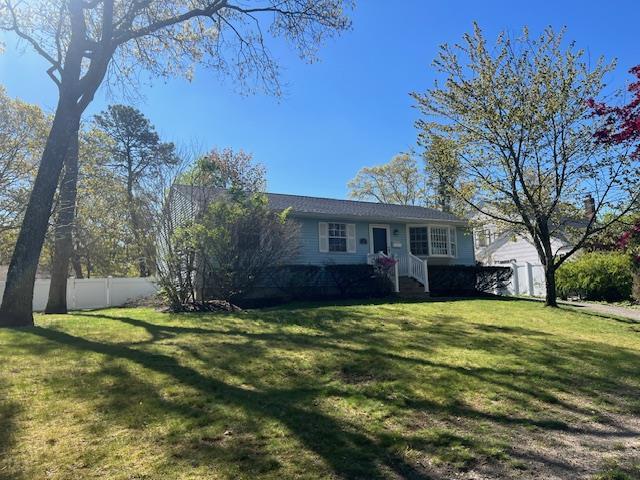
point(409, 274)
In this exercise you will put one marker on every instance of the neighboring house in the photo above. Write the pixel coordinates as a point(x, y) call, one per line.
point(346, 232)
point(499, 247)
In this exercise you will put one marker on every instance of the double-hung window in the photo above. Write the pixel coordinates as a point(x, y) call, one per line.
point(419, 240)
point(439, 241)
point(337, 237)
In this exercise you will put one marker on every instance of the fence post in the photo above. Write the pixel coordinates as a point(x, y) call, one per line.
point(74, 300)
point(108, 290)
point(530, 279)
point(515, 280)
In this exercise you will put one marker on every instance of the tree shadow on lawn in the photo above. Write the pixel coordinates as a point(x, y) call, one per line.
point(9, 411)
point(349, 453)
point(542, 367)
point(540, 363)
point(368, 364)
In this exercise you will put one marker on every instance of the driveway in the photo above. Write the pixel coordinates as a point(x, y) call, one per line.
point(630, 313)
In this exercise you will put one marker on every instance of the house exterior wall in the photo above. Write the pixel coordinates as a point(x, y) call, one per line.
point(516, 248)
point(310, 254)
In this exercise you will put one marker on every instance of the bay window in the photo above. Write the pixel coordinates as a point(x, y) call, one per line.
point(436, 241)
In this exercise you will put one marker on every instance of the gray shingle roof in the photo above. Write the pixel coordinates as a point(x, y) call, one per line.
point(317, 206)
point(353, 208)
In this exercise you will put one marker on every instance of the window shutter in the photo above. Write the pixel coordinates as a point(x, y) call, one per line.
point(351, 237)
point(453, 240)
point(323, 236)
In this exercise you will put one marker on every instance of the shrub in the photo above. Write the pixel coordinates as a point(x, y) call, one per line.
point(359, 280)
point(299, 282)
point(467, 280)
point(596, 276)
point(314, 282)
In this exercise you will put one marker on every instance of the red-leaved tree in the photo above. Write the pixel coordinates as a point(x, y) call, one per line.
point(622, 127)
point(622, 124)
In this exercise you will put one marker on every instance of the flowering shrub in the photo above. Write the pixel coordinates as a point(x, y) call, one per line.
point(630, 243)
point(385, 263)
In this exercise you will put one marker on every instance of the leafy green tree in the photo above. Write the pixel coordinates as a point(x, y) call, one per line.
point(442, 174)
point(227, 169)
point(230, 241)
point(22, 136)
point(63, 231)
point(83, 41)
point(103, 242)
point(137, 157)
point(400, 181)
point(519, 115)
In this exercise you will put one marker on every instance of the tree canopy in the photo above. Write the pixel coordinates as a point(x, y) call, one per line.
point(519, 115)
point(400, 181)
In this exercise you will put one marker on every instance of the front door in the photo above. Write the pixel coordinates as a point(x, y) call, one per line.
point(379, 240)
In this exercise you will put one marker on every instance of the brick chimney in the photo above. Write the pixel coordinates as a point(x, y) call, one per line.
point(589, 207)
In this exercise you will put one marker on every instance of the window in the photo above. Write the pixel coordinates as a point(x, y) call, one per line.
point(485, 237)
point(440, 241)
point(419, 240)
point(337, 237)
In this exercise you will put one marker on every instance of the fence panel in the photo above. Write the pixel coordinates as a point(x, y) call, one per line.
point(83, 294)
point(527, 279)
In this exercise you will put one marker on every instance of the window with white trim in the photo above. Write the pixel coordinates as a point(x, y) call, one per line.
point(337, 237)
point(419, 240)
point(453, 242)
point(440, 245)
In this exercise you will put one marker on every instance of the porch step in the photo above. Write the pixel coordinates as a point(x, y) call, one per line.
point(410, 288)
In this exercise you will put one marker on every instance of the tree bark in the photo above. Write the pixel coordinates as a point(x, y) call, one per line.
point(551, 298)
point(17, 302)
point(77, 265)
point(63, 246)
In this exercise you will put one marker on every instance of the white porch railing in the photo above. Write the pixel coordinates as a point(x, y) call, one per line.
point(393, 274)
point(417, 268)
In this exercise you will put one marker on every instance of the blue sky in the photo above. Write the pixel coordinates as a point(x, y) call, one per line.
point(351, 109)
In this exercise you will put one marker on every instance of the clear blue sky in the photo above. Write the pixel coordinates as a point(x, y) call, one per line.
point(352, 109)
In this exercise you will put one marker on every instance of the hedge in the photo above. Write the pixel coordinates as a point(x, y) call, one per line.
point(467, 280)
point(604, 276)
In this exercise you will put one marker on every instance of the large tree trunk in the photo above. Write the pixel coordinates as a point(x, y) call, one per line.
point(551, 298)
point(63, 247)
point(16, 309)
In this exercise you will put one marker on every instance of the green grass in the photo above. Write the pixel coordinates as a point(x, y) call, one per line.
point(393, 390)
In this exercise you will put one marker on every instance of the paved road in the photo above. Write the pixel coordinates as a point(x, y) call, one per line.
point(632, 313)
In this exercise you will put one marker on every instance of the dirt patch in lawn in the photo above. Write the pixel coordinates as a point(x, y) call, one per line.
point(607, 449)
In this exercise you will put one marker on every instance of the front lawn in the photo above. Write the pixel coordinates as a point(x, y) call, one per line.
point(461, 389)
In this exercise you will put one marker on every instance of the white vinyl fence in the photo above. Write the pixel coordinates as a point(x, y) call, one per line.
point(94, 292)
point(527, 279)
